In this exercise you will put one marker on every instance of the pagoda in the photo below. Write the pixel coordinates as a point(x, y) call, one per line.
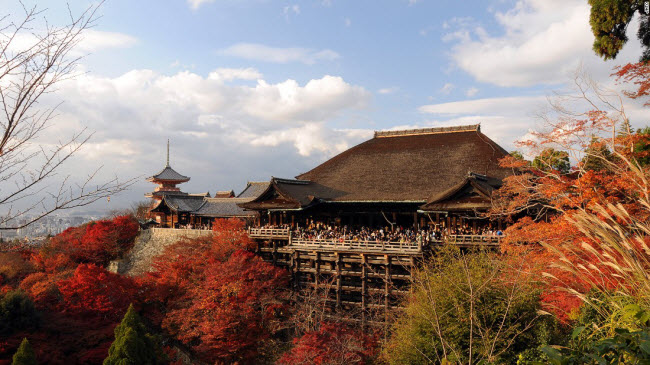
point(167, 179)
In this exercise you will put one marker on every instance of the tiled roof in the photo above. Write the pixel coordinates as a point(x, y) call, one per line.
point(184, 203)
point(169, 174)
point(223, 207)
point(253, 189)
point(224, 194)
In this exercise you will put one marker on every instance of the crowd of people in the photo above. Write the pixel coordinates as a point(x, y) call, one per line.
point(382, 234)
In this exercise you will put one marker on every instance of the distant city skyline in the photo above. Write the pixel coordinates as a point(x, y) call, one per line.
point(245, 90)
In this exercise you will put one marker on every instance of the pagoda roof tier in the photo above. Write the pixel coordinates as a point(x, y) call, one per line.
point(168, 174)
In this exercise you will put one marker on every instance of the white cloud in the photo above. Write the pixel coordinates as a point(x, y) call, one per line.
point(260, 52)
point(513, 106)
point(313, 137)
point(471, 92)
point(90, 41)
point(223, 133)
point(195, 4)
point(542, 42)
point(228, 74)
point(447, 88)
point(95, 40)
point(198, 105)
point(388, 90)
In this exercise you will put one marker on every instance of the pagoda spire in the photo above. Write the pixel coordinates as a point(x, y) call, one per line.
point(167, 153)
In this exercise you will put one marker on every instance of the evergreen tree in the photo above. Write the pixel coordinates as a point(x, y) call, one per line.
point(24, 355)
point(133, 345)
point(16, 312)
point(551, 159)
point(642, 146)
point(609, 20)
point(596, 156)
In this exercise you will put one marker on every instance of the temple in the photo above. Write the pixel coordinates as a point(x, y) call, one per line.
point(440, 177)
point(356, 225)
point(173, 208)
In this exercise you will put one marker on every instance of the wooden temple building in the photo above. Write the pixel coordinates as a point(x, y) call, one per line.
point(426, 179)
point(420, 180)
point(173, 208)
point(439, 177)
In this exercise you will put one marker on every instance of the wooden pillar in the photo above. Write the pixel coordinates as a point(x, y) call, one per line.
point(292, 222)
point(317, 267)
point(394, 221)
point(338, 280)
point(364, 287)
point(275, 252)
point(386, 284)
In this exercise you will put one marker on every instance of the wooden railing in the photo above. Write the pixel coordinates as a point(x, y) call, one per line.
point(473, 240)
point(357, 245)
point(279, 233)
point(285, 234)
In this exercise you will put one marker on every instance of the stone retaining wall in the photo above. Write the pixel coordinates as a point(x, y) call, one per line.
point(149, 244)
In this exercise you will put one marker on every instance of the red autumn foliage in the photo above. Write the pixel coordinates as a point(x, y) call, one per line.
point(218, 298)
point(332, 344)
point(96, 242)
point(92, 291)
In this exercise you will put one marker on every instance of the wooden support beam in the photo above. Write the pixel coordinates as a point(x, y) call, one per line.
point(317, 268)
point(364, 287)
point(338, 280)
point(386, 284)
point(275, 252)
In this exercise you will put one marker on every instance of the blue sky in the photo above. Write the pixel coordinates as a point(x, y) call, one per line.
point(248, 89)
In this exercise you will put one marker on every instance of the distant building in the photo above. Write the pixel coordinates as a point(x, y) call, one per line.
point(174, 208)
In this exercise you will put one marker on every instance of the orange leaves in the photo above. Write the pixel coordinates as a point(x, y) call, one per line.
point(639, 75)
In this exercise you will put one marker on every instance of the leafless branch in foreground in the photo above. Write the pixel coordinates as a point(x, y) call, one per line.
point(34, 57)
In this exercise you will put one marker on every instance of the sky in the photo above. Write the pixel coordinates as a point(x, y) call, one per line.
point(249, 89)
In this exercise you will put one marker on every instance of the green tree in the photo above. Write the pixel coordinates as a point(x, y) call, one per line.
point(24, 355)
point(596, 156)
point(642, 146)
point(133, 345)
point(551, 159)
point(470, 308)
point(609, 20)
point(518, 155)
point(16, 312)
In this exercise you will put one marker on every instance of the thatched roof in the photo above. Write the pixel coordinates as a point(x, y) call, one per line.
point(473, 193)
point(394, 166)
